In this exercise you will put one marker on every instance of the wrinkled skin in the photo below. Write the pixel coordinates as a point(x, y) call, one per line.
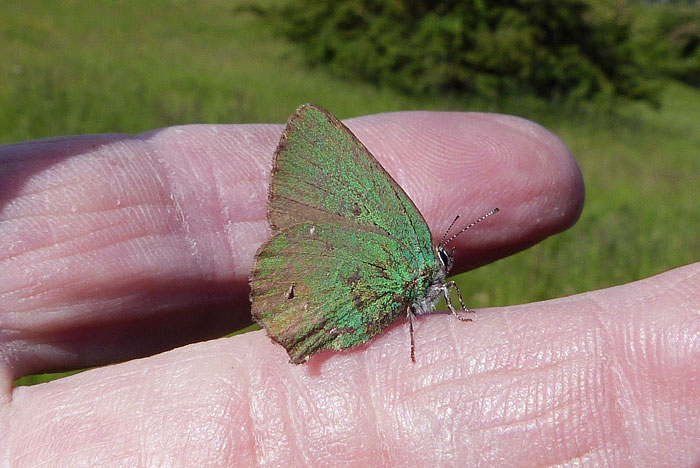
point(116, 247)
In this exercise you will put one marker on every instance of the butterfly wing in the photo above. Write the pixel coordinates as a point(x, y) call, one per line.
point(320, 286)
point(321, 169)
point(349, 249)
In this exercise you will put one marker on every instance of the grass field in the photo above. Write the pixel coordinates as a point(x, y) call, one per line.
point(69, 69)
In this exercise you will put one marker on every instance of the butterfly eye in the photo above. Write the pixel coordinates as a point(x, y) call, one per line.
point(445, 258)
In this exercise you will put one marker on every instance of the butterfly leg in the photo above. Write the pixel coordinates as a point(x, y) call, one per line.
point(411, 316)
point(448, 300)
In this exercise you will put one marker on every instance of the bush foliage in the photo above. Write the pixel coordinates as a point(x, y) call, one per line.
point(669, 36)
point(551, 48)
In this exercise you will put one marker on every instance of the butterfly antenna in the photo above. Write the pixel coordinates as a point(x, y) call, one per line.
point(441, 244)
point(454, 236)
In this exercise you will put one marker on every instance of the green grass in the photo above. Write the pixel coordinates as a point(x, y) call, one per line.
point(120, 67)
point(69, 69)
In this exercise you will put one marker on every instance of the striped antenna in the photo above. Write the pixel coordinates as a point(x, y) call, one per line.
point(448, 231)
point(454, 236)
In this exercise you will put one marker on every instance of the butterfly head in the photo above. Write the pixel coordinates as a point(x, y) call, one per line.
point(447, 257)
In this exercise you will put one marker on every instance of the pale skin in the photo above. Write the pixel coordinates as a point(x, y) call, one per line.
point(118, 247)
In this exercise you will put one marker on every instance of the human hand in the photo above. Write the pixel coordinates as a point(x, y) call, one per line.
point(116, 247)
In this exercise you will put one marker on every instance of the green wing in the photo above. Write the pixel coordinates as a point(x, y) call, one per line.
point(349, 251)
point(319, 286)
point(321, 169)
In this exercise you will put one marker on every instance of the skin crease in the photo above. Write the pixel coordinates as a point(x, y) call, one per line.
point(117, 247)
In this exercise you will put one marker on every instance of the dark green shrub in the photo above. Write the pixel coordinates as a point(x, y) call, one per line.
point(669, 36)
point(574, 49)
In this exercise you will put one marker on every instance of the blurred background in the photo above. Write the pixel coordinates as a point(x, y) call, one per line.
point(617, 81)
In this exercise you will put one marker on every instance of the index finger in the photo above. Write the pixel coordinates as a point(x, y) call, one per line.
point(120, 246)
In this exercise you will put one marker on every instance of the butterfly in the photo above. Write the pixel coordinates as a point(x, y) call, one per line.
point(349, 251)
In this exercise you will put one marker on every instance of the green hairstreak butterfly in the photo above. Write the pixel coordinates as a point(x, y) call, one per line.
point(349, 251)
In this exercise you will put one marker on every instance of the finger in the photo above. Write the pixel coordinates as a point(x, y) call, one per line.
point(609, 376)
point(119, 246)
